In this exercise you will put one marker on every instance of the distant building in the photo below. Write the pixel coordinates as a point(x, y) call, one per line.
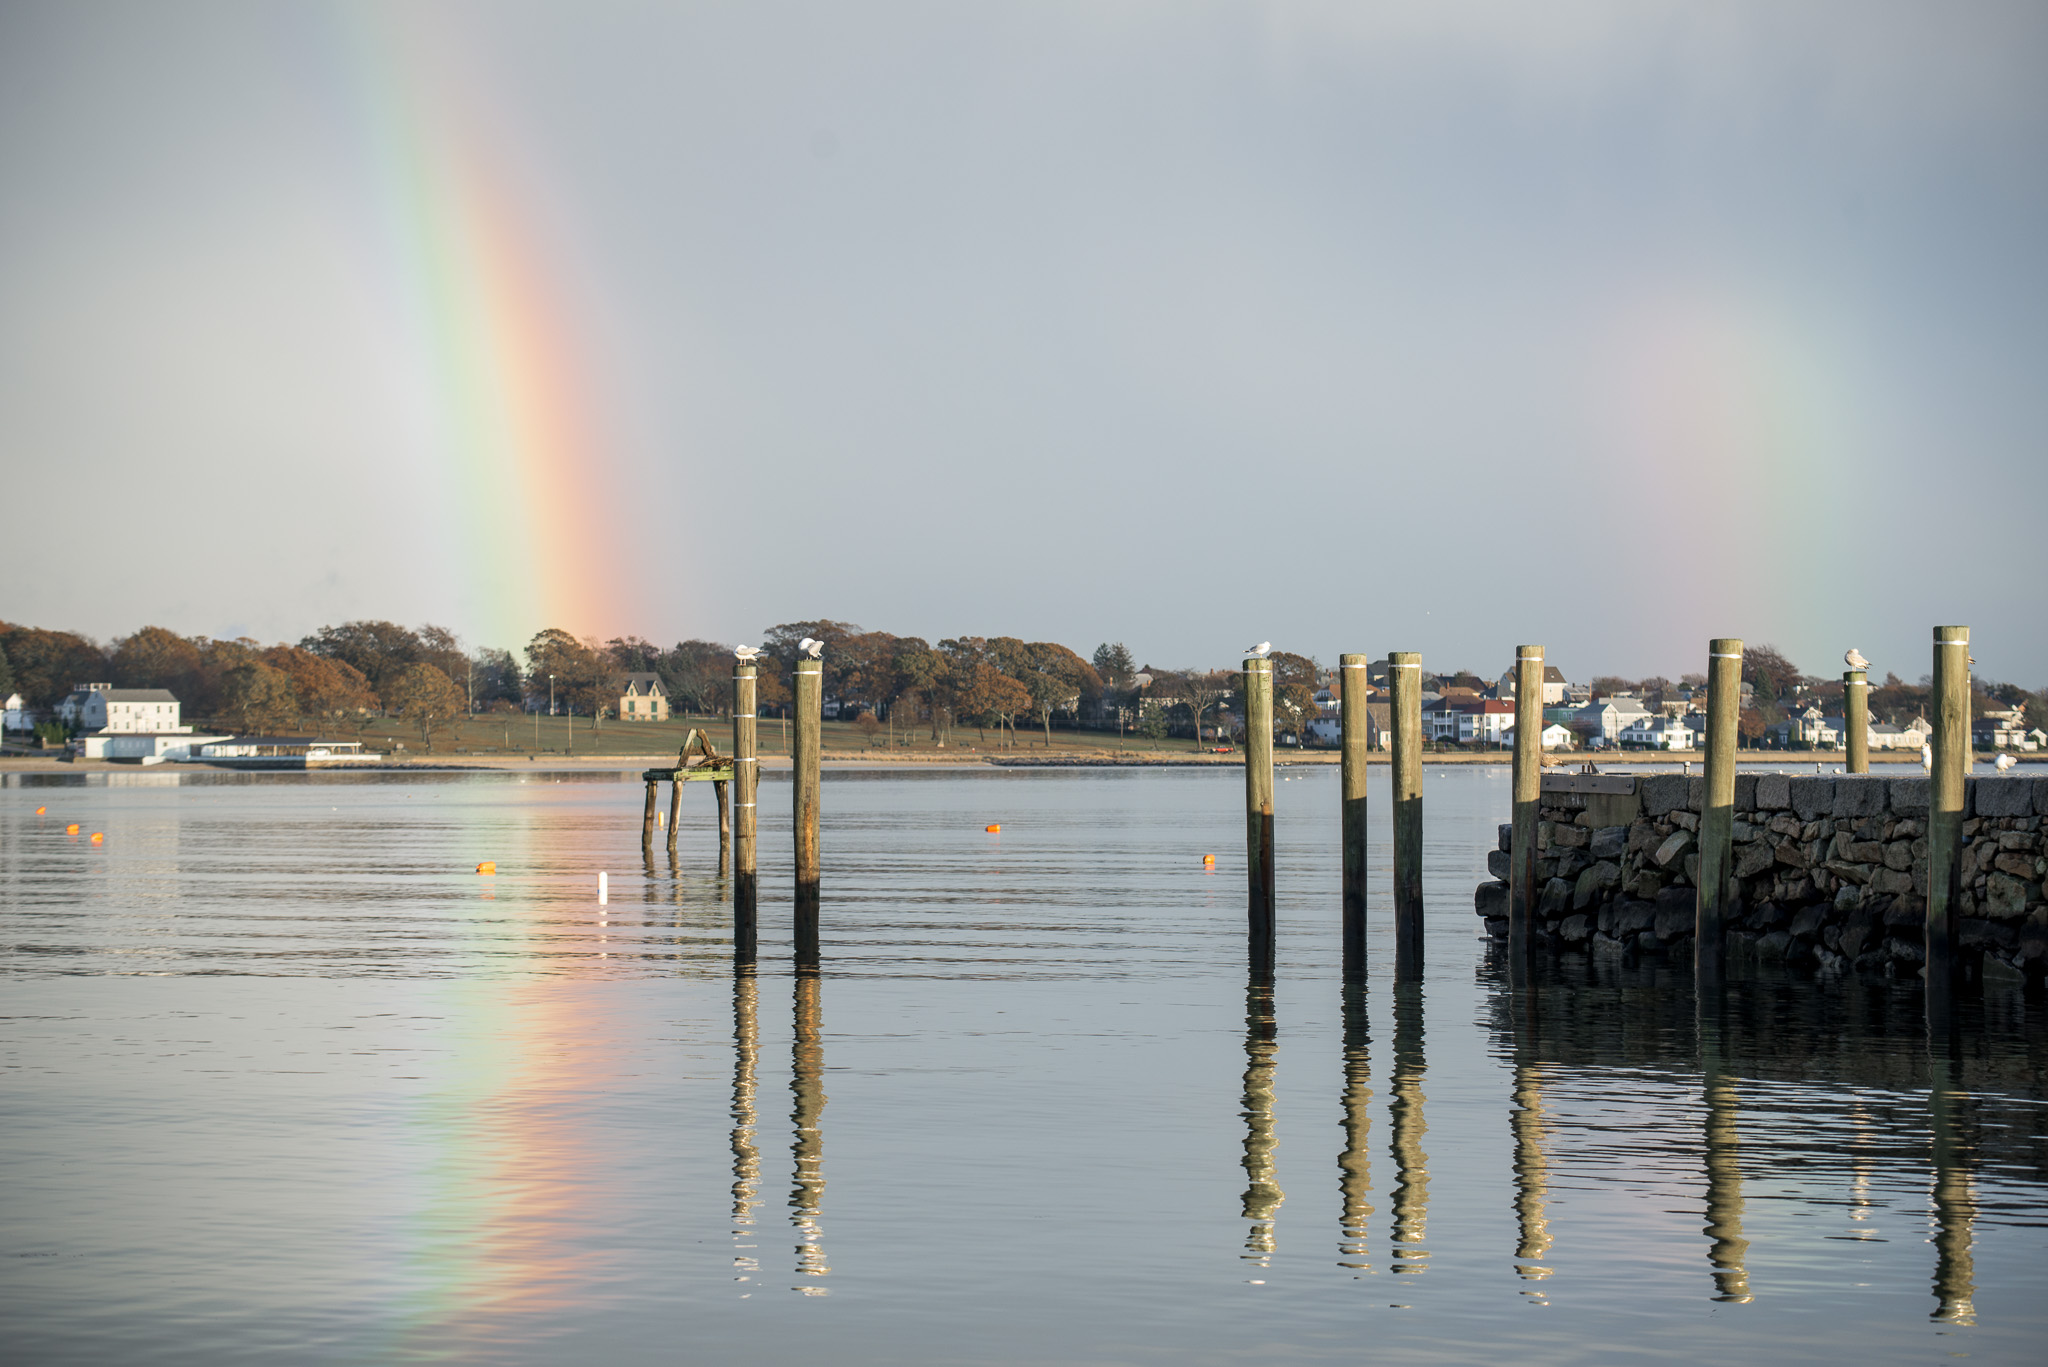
point(1607, 718)
point(1554, 685)
point(642, 698)
point(281, 752)
point(1656, 733)
point(103, 707)
point(1805, 728)
point(1379, 721)
point(17, 715)
point(1554, 736)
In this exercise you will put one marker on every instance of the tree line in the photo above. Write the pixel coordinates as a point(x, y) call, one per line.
point(345, 676)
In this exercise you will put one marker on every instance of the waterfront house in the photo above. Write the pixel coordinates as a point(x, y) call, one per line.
point(17, 715)
point(642, 698)
point(2001, 729)
point(1656, 733)
point(1554, 736)
point(103, 707)
point(1608, 717)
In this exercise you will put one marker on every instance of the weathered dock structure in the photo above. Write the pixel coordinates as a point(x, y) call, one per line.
point(1830, 870)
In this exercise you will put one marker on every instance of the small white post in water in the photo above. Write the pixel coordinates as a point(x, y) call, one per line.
point(603, 891)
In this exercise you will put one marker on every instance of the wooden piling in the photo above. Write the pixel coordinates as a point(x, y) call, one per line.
point(675, 807)
point(810, 677)
point(1356, 745)
point(1528, 785)
point(718, 789)
point(647, 811)
point(1404, 681)
point(1856, 718)
point(1717, 813)
point(1258, 807)
point(1951, 742)
point(746, 780)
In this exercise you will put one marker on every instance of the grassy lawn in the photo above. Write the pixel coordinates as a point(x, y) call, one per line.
point(842, 740)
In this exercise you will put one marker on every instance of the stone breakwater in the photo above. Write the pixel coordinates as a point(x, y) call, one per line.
point(1828, 871)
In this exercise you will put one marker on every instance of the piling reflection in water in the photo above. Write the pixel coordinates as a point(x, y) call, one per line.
point(1354, 1164)
point(1262, 1195)
point(1526, 1124)
point(746, 1157)
point(1728, 1251)
point(1955, 1197)
point(1411, 1164)
point(807, 1085)
point(1532, 1183)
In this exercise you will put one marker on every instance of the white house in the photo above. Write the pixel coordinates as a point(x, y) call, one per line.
point(103, 707)
point(1607, 718)
point(1657, 733)
point(18, 716)
point(1552, 737)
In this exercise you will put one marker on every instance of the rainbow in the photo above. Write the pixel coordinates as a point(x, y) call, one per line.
point(497, 366)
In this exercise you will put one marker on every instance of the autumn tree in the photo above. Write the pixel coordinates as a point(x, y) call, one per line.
point(581, 673)
point(1767, 671)
point(698, 676)
point(157, 658)
point(1056, 678)
point(258, 699)
point(497, 678)
point(442, 649)
point(329, 692)
point(427, 698)
point(921, 671)
point(47, 663)
point(379, 651)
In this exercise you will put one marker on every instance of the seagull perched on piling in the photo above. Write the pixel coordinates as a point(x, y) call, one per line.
point(1927, 758)
point(746, 653)
point(2003, 763)
point(1854, 659)
point(812, 647)
point(1261, 650)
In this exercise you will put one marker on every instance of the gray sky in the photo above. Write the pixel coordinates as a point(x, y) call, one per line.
point(1436, 327)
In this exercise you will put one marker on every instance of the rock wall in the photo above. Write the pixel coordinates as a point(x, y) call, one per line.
point(1830, 871)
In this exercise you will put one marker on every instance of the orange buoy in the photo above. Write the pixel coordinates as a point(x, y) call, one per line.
point(488, 866)
point(41, 810)
point(1208, 859)
point(98, 838)
point(992, 829)
point(72, 829)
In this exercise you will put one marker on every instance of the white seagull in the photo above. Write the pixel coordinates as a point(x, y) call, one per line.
point(748, 653)
point(1854, 659)
point(1927, 758)
point(2003, 763)
point(1261, 650)
point(812, 647)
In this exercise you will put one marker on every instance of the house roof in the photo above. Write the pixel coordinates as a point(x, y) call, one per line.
point(642, 686)
point(124, 694)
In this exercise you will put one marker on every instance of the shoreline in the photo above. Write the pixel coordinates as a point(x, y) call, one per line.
point(1055, 759)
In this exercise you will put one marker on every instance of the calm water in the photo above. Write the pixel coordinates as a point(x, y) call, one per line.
point(284, 1081)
